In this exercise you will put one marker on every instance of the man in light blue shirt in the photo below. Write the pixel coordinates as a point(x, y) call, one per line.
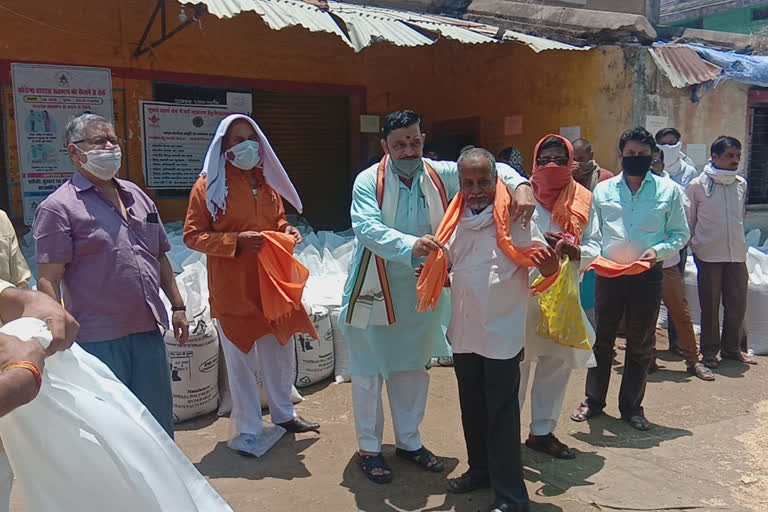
point(396, 207)
point(641, 217)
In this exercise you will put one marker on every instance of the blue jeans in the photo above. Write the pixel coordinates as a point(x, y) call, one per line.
point(140, 361)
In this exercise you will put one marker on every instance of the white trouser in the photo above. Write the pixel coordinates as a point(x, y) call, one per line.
point(277, 363)
point(407, 393)
point(547, 392)
point(6, 482)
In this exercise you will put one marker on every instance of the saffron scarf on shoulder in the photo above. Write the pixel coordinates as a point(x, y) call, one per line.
point(371, 300)
point(435, 270)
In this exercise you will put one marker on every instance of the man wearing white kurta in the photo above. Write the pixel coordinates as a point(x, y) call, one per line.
point(552, 178)
point(489, 302)
point(396, 207)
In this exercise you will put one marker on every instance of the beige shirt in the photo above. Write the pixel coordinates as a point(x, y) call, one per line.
point(717, 219)
point(13, 267)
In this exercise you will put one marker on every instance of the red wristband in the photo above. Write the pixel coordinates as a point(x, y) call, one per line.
point(32, 368)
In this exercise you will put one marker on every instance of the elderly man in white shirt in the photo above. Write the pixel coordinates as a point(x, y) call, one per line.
point(718, 205)
point(489, 297)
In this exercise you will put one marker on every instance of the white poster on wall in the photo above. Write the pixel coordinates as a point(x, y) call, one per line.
point(174, 141)
point(570, 132)
point(240, 102)
point(45, 97)
point(697, 153)
point(655, 123)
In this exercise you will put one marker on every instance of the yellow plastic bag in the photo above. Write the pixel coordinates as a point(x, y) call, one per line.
point(561, 318)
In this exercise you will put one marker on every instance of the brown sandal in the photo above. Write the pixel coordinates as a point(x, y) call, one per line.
point(550, 445)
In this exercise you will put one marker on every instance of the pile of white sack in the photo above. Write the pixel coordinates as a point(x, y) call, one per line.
point(328, 256)
point(198, 372)
point(757, 299)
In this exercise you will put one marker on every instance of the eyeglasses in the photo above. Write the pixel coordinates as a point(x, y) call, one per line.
point(547, 159)
point(101, 141)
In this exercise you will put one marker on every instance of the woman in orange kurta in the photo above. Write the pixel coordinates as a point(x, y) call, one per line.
point(235, 217)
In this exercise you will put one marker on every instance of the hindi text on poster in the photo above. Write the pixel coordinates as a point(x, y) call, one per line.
point(45, 98)
point(175, 139)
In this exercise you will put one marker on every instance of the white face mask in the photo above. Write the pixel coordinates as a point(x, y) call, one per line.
point(102, 163)
point(245, 155)
point(672, 151)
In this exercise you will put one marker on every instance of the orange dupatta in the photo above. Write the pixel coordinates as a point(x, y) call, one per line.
point(435, 272)
point(281, 283)
point(608, 268)
point(571, 211)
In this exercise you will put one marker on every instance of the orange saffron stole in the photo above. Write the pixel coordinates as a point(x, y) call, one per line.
point(608, 268)
point(435, 270)
point(571, 210)
point(281, 283)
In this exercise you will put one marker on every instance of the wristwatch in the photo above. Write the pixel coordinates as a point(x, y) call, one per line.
point(178, 308)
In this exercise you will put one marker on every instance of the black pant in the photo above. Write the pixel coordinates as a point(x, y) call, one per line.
point(490, 414)
point(637, 298)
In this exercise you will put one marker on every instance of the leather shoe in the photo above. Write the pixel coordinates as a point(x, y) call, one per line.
point(300, 425)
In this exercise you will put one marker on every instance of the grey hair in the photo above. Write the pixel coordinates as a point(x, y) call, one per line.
point(479, 153)
point(75, 128)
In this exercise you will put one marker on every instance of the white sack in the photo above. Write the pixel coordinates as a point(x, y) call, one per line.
point(314, 357)
point(86, 443)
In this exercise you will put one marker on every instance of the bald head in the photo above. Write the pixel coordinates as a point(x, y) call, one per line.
point(582, 150)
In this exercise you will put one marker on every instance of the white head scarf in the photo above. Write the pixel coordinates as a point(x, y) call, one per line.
point(214, 167)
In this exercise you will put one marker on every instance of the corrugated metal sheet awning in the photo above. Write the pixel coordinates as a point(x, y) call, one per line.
point(683, 66)
point(540, 44)
point(359, 26)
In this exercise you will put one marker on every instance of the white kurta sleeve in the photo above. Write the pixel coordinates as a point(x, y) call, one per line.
point(591, 241)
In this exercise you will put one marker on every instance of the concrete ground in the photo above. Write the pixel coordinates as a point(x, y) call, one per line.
point(708, 451)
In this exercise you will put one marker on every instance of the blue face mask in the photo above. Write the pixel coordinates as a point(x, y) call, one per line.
point(406, 167)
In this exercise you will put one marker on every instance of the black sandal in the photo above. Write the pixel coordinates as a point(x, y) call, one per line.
point(467, 483)
point(550, 445)
point(422, 457)
point(584, 413)
point(369, 463)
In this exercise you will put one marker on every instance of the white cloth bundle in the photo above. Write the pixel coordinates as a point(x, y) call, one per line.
point(87, 444)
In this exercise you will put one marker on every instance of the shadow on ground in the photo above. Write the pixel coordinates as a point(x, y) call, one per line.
point(196, 424)
point(412, 487)
point(558, 476)
point(608, 432)
point(285, 461)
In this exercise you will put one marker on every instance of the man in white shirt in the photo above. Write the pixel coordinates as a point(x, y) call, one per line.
point(718, 205)
point(489, 296)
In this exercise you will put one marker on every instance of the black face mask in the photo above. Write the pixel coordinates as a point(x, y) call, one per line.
point(636, 165)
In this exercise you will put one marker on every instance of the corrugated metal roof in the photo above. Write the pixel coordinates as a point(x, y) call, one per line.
point(278, 14)
point(682, 65)
point(369, 25)
point(540, 44)
point(366, 25)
